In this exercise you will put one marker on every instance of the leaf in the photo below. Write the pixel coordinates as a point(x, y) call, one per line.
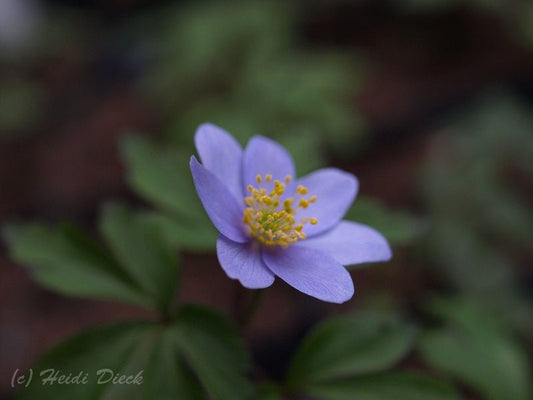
point(178, 232)
point(471, 264)
point(387, 386)
point(476, 349)
point(481, 216)
point(65, 260)
point(352, 345)
point(305, 147)
point(170, 373)
point(22, 106)
point(192, 44)
point(525, 21)
point(143, 253)
point(134, 366)
point(161, 175)
point(269, 391)
point(270, 88)
point(213, 348)
point(137, 349)
point(397, 226)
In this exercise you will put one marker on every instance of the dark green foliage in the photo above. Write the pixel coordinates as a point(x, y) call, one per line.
point(198, 352)
point(479, 218)
point(161, 175)
point(141, 250)
point(139, 269)
point(269, 391)
point(212, 347)
point(21, 104)
point(351, 345)
point(386, 386)
point(345, 358)
point(400, 228)
point(476, 348)
point(236, 64)
point(67, 261)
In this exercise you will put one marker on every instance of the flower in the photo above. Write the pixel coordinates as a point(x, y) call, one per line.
point(272, 224)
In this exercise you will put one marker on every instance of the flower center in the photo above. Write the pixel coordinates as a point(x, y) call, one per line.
point(272, 220)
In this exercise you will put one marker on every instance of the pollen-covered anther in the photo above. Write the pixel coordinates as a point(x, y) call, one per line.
point(301, 189)
point(272, 221)
point(304, 203)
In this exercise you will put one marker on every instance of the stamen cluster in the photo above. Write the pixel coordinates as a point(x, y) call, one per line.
point(272, 220)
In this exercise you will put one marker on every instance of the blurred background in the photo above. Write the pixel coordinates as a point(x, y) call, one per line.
point(429, 103)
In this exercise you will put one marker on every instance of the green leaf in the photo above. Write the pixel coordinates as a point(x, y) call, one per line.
point(351, 345)
point(214, 350)
point(481, 216)
point(476, 349)
point(137, 349)
point(143, 253)
point(397, 226)
point(22, 108)
point(65, 260)
point(525, 21)
point(305, 147)
point(167, 374)
point(161, 175)
point(179, 232)
point(135, 365)
point(192, 44)
point(107, 347)
point(387, 386)
point(269, 391)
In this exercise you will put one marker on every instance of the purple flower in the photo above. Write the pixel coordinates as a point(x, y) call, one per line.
point(273, 225)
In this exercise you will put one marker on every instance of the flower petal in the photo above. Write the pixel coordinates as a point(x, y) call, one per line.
point(220, 205)
point(264, 156)
point(335, 191)
point(351, 243)
point(243, 261)
point(222, 155)
point(311, 272)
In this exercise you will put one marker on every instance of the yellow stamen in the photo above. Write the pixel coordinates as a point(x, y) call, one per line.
point(301, 189)
point(304, 203)
point(267, 200)
point(271, 221)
